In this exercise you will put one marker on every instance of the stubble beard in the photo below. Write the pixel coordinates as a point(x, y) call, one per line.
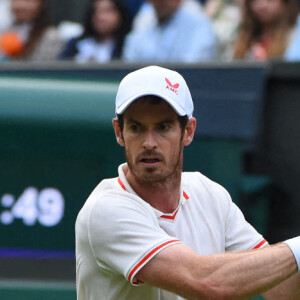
point(149, 178)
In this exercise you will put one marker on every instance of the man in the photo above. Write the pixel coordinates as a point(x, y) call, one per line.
point(156, 232)
point(177, 35)
point(146, 15)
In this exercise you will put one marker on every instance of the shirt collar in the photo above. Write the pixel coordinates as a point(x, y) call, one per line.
point(123, 184)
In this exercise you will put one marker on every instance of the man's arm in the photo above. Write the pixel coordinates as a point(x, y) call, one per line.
point(224, 276)
point(287, 290)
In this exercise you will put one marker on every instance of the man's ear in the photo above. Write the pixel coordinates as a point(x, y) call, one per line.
point(189, 131)
point(118, 132)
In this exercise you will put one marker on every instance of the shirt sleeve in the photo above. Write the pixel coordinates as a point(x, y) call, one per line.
point(124, 235)
point(240, 235)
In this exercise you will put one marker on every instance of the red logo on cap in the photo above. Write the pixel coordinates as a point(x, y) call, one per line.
point(172, 87)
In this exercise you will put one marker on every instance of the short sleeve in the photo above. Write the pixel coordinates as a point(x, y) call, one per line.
point(240, 235)
point(124, 234)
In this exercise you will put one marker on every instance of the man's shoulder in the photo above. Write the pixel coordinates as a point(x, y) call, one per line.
point(196, 176)
point(106, 186)
point(198, 181)
point(106, 190)
point(206, 193)
point(109, 198)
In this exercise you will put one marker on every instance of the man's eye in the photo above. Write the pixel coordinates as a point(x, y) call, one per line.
point(164, 127)
point(134, 127)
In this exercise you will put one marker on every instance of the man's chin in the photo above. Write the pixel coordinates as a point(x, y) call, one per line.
point(149, 175)
point(149, 180)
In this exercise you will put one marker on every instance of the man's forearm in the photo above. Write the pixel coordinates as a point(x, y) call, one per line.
point(223, 276)
point(287, 290)
point(251, 273)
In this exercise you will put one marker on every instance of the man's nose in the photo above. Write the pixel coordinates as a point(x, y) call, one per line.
point(150, 140)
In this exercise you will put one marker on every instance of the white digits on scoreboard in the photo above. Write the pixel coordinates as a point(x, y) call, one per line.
point(46, 207)
point(51, 207)
point(25, 207)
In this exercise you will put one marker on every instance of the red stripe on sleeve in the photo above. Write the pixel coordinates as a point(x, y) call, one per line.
point(148, 256)
point(260, 244)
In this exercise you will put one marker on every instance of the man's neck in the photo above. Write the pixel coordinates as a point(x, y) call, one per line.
point(164, 196)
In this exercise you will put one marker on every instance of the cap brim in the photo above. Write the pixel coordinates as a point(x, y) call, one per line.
point(179, 110)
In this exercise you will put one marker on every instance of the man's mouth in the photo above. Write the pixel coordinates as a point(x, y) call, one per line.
point(150, 160)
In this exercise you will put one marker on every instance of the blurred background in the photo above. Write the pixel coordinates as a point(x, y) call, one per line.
point(60, 65)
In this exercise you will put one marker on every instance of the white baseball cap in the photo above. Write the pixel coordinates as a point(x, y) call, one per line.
point(157, 81)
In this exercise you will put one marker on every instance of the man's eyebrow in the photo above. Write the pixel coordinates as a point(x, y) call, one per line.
point(169, 121)
point(131, 120)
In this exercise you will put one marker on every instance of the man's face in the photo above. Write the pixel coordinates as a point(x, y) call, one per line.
point(165, 8)
point(153, 141)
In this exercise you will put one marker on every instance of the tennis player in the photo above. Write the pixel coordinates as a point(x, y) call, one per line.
point(157, 233)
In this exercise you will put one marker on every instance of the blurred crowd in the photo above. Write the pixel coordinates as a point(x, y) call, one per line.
point(180, 31)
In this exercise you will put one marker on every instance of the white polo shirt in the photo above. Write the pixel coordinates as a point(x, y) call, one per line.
point(117, 233)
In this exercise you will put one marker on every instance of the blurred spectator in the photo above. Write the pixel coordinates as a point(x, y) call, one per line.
point(267, 29)
point(5, 14)
point(107, 23)
point(293, 51)
point(226, 17)
point(133, 6)
point(31, 37)
point(177, 35)
point(146, 15)
point(69, 30)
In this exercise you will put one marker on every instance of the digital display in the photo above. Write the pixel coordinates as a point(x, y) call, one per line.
point(45, 207)
point(56, 144)
point(43, 188)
